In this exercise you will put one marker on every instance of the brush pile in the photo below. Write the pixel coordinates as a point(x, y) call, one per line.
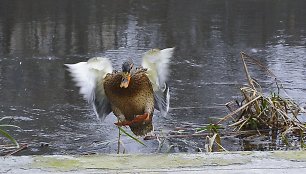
point(258, 111)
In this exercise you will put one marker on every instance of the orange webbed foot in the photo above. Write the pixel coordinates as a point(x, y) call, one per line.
point(124, 123)
point(141, 118)
point(137, 119)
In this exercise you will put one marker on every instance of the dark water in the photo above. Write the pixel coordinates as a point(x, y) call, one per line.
point(38, 37)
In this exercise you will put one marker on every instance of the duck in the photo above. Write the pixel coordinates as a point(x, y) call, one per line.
point(132, 94)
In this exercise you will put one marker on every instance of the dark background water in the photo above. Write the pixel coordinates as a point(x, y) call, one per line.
point(38, 37)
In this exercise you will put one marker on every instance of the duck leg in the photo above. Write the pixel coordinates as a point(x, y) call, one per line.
point(146, 116)
point(141, 118)
point(124, 123)
point(137, 119)
point(121, 118)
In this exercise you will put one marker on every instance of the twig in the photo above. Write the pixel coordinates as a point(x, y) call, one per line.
point(256, 62)
point(250, 80)
point(246, 70)
point(238, 110)
point(22, 147)
point(119, 140)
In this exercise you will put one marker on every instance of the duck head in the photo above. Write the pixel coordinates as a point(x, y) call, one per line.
point(126, 73)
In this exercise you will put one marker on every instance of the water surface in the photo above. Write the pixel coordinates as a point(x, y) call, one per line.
point(38, 37)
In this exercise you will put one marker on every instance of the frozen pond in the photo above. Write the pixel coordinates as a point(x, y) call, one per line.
point(38, 37)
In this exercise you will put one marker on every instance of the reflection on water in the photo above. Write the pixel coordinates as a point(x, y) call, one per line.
point(38, 37)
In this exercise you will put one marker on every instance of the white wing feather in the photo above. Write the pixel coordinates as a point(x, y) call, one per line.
point(157, 64)
point(87, 74)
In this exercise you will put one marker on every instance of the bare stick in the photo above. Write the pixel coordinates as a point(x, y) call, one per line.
point(242, 54)
point(237, 110)
point(22, 147)
point(119, 139)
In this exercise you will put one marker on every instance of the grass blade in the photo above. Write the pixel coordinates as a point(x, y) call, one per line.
point(3, 118)
point(7, 135)
point(8, 125)
point(131, 136)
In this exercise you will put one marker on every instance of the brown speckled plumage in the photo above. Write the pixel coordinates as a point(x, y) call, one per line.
point(137, 99)
point(131, 94)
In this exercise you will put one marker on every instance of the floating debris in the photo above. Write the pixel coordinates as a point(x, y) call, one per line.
point(258, 111)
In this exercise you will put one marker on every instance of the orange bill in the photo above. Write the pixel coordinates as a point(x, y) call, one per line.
point(126, 77)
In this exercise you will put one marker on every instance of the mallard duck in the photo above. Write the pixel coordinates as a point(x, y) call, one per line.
point(131, 94)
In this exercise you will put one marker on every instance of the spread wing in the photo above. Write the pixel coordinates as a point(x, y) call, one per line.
point(157, 64)
point(89, 77)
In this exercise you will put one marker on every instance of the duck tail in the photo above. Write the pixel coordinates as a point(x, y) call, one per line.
point(142, 129)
